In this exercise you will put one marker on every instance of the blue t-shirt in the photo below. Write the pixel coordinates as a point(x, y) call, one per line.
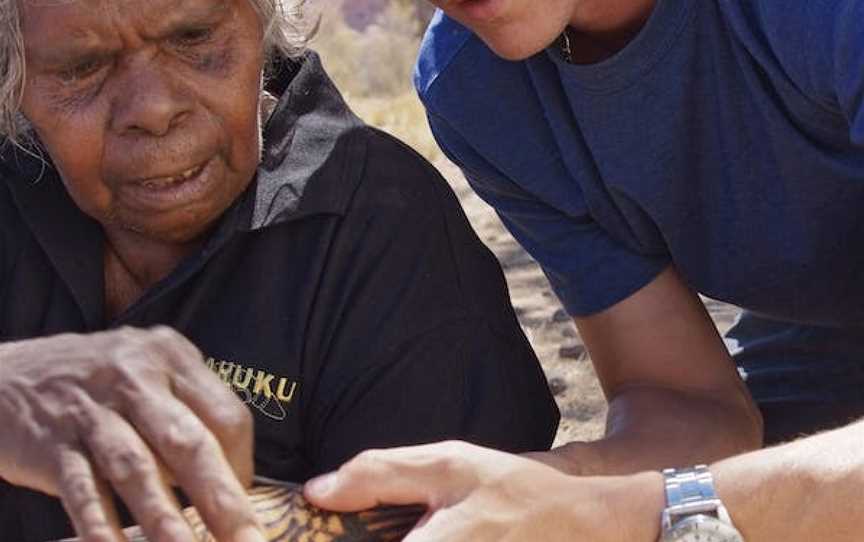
point(727, 139)
point(713, 141)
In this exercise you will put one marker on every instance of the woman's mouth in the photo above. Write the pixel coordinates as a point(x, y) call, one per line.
point(163, 193)
point(158, 183)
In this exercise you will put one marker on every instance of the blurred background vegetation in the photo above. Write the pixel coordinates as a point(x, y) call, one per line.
point(369, 48)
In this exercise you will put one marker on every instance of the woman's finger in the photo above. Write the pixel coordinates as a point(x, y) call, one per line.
point(195, 460)
point(85, 498)
point(128, 465)
point(220, 410)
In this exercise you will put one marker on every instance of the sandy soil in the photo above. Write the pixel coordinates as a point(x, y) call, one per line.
point(548, 327)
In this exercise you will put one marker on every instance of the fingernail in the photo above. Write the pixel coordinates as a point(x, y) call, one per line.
point(321, 486)
point(251, 534)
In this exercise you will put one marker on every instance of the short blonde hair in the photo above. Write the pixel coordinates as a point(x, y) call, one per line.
point(286, 32)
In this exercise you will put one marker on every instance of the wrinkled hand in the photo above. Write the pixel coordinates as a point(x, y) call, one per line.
point(134, 411)
point(477, 494)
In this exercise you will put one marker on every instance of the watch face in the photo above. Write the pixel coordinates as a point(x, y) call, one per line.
point(700, 528)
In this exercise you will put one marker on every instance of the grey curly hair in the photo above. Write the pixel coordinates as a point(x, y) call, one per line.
point(286, 31)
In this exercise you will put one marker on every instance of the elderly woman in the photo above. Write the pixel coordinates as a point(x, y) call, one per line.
point(168, 234)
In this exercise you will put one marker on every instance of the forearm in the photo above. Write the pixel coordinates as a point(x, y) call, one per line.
point(675, 397)
point(650, 429)
point(807, 490)
point(799, 492)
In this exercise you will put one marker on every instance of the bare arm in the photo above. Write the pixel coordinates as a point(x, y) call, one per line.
point(809, 489)
point(806, 490)
point(674, 395)
point(799, 492)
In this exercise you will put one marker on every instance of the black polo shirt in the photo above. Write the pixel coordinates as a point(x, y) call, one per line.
point(344, 297)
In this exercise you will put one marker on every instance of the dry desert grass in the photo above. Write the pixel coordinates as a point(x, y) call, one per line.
point(373, 71)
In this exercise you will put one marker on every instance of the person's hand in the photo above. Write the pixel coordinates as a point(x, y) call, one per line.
point(129, 410)
point(476, 494)
point(555, 459)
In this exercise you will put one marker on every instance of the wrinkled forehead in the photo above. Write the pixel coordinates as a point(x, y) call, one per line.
point(67, 22)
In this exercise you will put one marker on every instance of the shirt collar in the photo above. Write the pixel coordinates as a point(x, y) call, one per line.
point(312, 158)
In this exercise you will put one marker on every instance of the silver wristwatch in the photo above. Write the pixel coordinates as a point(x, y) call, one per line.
point(693, 511)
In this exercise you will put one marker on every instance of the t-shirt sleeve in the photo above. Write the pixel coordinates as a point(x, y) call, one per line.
point(848, 76)
point(416, 340)
point(588, 269)
point(821, 46)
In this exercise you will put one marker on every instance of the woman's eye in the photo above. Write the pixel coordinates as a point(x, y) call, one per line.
point(81, 71)
point(193, 36)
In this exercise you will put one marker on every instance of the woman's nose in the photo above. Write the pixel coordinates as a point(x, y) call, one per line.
point(148, 100)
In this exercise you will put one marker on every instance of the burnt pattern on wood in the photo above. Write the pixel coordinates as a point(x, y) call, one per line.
point(288, 517)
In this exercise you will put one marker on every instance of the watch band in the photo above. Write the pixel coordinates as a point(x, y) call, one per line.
point(688, 486)
point(693, 509)
point(691, 491)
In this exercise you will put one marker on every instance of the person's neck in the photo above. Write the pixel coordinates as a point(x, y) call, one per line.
point(133, 263)
point(601, 28)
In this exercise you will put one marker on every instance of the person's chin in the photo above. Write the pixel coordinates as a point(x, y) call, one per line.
point(518, 40)
point(176, 227)
point(514, 50)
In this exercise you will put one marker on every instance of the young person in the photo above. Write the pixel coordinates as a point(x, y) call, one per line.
point(644, 152)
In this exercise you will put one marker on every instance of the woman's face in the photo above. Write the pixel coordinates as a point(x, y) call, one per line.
point(148, 108)
point(514, 29)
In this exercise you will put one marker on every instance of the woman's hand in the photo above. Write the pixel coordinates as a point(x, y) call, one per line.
point(477, 494)
point(129, 410)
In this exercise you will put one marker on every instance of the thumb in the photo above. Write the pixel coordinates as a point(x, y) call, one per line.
point(367, 481)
